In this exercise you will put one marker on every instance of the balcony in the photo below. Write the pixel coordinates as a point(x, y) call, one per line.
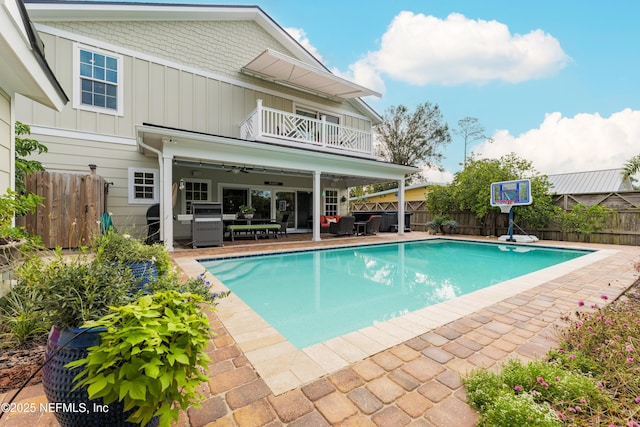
point(270, 125)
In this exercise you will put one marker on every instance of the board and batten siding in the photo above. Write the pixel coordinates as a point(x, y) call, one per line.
point(162, 95)
point(5, 142)
point(159, 90)
point(218, 47)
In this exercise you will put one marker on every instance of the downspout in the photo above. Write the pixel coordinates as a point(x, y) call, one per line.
point(159, 155)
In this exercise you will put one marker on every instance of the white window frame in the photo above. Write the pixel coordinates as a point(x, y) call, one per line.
point(327, 204)
point(318, 113)
point(156, 186)
point(77, 91)
point(184, 193)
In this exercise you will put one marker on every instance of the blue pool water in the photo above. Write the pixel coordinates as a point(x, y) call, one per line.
point(313, 296)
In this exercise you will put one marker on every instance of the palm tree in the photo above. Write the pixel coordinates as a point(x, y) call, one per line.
point(632, 166)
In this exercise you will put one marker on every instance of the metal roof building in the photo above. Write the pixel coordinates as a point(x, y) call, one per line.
point(590, 182)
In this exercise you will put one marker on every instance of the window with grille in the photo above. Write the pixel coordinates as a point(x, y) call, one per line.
point(195, 191)
point(98, 80)
point(143, 186)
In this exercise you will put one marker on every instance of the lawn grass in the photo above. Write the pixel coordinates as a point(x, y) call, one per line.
point(591, 379)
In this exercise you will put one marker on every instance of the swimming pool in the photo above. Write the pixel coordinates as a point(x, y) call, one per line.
point(313, 296)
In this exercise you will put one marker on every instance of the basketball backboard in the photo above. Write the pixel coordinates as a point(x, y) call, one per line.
point(514, 193)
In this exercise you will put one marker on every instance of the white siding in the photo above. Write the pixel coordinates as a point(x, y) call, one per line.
point(217, 46)
point(5, 142)
point(73, 155)
point(174, 75)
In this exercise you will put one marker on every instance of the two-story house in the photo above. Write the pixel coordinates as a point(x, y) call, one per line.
point(177, 104)
point(25, 71)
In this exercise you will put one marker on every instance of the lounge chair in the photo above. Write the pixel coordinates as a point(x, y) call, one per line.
point(283, 225)
point(373, 224)
point(344, 226)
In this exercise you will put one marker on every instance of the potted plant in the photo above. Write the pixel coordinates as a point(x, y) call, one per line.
point(73, 289)
point(245, 211)
point(442, 223)
point(146, 262)
point(11, 237)
point(151, 358)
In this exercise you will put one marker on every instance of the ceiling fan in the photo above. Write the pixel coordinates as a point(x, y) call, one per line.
point(238, 170)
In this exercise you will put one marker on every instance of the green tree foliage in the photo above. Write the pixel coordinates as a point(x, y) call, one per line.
point(631, 168)
point(413, 139)
point(585, 219)
point(471, 190)
point(24, 147)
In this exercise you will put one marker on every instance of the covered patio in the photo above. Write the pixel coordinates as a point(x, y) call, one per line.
point(310, 174)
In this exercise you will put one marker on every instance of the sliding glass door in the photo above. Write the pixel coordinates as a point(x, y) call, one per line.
point(261, 201)
point(285, 204)
point(295, 206)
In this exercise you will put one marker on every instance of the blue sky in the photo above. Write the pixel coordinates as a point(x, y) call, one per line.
point(557, 82)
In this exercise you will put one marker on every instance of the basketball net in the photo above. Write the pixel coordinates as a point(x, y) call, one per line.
point(505, 205)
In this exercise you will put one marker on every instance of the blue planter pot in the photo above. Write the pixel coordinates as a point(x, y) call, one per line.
point(73, 407)
point(143, 272)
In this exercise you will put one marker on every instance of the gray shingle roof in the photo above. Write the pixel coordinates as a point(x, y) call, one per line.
point(589, 182)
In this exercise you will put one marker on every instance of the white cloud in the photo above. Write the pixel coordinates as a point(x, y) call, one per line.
point(421, 49)
point(301, 37)
point(364, 75)
point(436, 176)
point(581, 143)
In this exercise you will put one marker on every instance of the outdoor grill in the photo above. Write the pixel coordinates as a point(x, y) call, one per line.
point(153, 224)
point(207, 228)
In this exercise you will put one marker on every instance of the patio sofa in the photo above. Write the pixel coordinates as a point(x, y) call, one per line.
point(389, 220)
point(326, 221)
point(343, 227)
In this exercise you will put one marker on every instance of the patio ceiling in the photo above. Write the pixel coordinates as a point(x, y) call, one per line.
point(279, 68)
point(333, 179)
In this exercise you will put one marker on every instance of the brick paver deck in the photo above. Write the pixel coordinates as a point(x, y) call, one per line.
point(414, 383)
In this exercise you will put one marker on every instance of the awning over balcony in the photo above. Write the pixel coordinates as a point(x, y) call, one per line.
point(279, 68)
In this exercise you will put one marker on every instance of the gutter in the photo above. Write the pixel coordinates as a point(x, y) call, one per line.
point(161, 179)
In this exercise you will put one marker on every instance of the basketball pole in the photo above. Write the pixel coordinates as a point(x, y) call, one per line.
point(511, 239)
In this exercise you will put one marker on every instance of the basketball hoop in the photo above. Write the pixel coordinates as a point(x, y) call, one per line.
point(505, 205)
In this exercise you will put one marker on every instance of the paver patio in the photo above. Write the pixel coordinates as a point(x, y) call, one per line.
point(414, 381)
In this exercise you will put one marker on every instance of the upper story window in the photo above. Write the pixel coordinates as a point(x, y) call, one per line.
point(144, 186)
point(97, 84)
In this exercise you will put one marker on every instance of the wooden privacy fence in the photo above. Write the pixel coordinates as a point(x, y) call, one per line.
point(623, 228)
point(69, 216)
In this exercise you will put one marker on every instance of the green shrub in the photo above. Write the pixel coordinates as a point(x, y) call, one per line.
point(12, 204)
point(584, 219)
point(593, 378)
point(21, 320)
point(122, 248)
point(482, 388)
point(73, 289)
point(197, 286)
point(150, 357)
point(510, 410)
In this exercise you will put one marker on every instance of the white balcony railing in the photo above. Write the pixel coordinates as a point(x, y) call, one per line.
point(268, 124)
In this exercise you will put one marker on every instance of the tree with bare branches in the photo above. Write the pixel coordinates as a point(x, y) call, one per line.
point(470, 130)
